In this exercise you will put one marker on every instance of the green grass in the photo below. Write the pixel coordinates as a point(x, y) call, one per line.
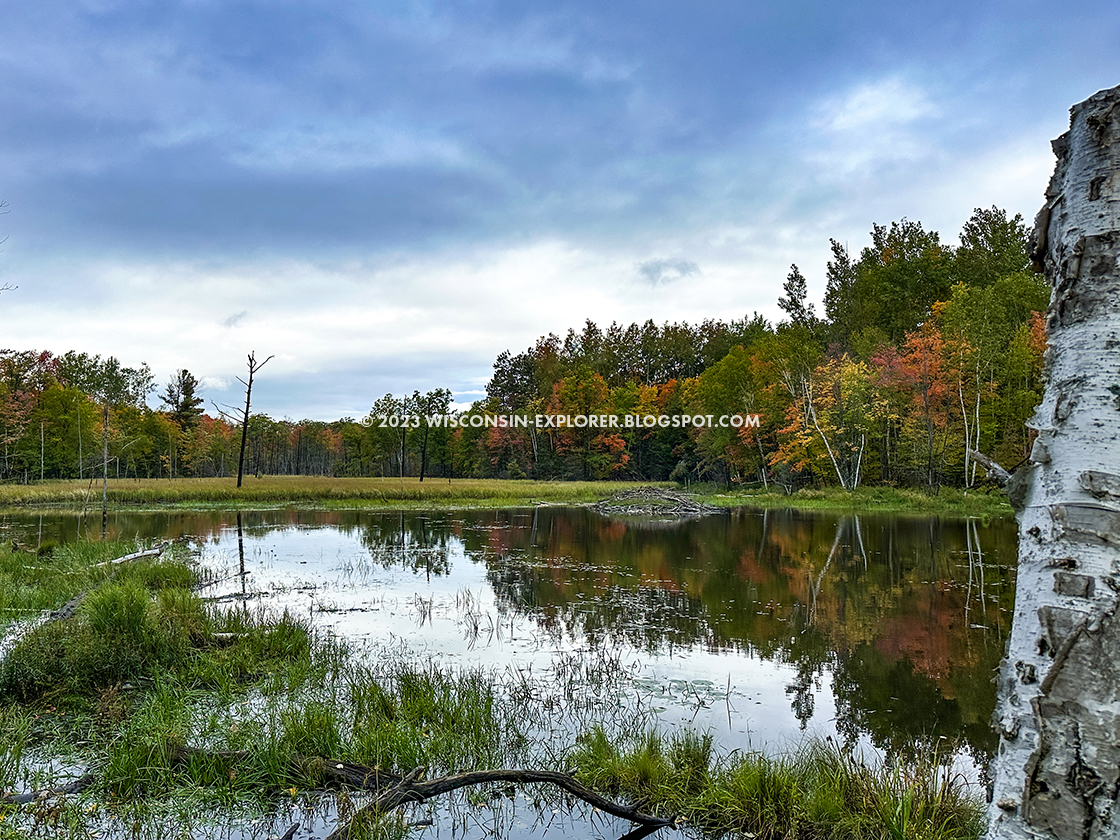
point(947, 501)
point(31, 582)
point(819, 791)
point(433, 494)
point(140, 672)
point(286, 490)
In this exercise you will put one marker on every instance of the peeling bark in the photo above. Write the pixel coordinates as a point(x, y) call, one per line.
point(1057, 772)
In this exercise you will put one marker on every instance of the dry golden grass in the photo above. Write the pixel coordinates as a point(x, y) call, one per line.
point(280, 490)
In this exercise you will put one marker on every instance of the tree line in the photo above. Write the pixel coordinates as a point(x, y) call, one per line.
point(924, 353)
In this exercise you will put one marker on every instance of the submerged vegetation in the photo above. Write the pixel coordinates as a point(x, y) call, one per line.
point(177, 714)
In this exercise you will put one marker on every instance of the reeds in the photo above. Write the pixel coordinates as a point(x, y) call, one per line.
point(189, 713)
point(947, 500)
point(283, 490)
point(818, 791)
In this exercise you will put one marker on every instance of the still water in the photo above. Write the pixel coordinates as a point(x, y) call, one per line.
point(761, 627)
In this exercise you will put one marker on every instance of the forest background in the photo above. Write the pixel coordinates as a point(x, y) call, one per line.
point(924, 353)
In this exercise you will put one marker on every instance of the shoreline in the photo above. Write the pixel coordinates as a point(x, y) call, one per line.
point(280, 492)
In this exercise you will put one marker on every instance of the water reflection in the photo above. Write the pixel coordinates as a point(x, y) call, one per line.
point(881, 629)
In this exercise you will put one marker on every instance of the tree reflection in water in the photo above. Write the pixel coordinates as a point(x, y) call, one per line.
point(904, 616)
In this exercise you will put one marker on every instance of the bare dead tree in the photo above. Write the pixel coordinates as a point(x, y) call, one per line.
point(242, 415)
point(5, 287)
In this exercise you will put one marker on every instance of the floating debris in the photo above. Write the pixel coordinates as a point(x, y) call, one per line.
point(654, 501)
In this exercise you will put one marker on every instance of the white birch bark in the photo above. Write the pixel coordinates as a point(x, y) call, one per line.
point(1057, 773)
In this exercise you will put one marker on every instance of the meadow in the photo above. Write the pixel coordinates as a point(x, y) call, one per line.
point(435, 494)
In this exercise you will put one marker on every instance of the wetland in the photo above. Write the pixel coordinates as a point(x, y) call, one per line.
point(620, 648)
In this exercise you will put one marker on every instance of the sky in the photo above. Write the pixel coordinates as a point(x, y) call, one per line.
point(385, 195)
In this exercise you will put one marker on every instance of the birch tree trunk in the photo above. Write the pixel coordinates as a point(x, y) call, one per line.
point(1057, 773)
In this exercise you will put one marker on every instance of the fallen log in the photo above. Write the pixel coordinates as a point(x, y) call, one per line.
point(76, 786)
point(409, 789)
point(149, 552)
point(392, 790)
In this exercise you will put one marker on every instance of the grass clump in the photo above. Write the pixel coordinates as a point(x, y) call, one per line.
point(820, 791)
point(408, 715)
point(119, 634)
point(33, 581)
point(249, 744)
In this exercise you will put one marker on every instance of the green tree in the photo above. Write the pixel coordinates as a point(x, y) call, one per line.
point(793, 303)
point(892, 287)
point(182, 400)
point(992, 247)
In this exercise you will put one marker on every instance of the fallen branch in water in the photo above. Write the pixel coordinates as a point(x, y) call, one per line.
point(150, 552)
point(995, 471)
point(409, 789)
point(393, 790)
point(76, 786)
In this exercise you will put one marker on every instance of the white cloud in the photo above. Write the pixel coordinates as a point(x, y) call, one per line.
point(875, 106)
point(871, 126)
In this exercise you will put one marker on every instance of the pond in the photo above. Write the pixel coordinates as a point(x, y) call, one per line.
point(760, 627)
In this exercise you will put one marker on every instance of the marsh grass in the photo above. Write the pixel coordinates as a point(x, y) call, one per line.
point(436, 494)
point(122, 631)
point(819, 791)
point(951, 501)
point(33, 581)
point(321, 491)
point(191, 712)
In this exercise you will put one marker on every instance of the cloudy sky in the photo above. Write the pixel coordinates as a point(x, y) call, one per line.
point(387, 194)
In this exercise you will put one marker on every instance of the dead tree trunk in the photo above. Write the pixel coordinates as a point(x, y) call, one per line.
point(105, 472)
point(253, 368)
point(1057, 773)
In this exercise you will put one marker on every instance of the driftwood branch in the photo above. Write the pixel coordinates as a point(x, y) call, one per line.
point(393, 791)
point(409, 789)
point(76, 786)
point(994, 470)
point(150, 552)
